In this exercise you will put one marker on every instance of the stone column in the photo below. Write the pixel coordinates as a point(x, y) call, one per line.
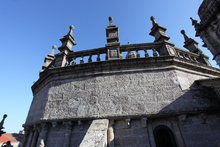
point(29, 139)
point(150, 133)
point(35, 136)
point(26, 134)
point(41, 142)
point(110, 136)
point(67, 135)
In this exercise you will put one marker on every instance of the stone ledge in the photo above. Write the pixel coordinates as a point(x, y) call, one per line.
point(128, 65)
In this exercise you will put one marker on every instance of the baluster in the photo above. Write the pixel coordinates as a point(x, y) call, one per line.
point(137, 54)
point(73, 61)
point(98, 58)
point(178, 54)
point(187, 57)
point(121, 56)
point(196, 60)
point(90, 59)
point(154, 53)
point(82, 60)
point(146, 53)
point(193, 58)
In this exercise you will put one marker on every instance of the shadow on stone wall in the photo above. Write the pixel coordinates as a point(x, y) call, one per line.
point(195, 99)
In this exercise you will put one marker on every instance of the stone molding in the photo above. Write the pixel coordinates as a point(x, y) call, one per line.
point(128, 65)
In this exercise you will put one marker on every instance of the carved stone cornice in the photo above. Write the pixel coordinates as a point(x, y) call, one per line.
point(207, 12)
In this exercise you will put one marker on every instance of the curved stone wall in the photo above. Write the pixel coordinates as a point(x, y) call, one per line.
point(117, 93)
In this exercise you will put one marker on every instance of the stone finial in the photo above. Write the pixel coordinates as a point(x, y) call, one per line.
point(194, 22)
point(190, 44)
point(71, 30)
point(153, 20)
point(68, 41)
point(110, 19)
point(53, 50)
point(184, 35)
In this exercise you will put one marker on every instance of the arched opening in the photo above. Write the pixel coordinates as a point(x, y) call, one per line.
point(164, 137)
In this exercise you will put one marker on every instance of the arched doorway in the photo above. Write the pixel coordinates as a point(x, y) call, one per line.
point(164, 137)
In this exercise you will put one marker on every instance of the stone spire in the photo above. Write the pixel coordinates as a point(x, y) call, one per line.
point(158, 31)
point(49, 58)
point(113, 43)
point(68, 41)
point(196, 25)
point(190, 44)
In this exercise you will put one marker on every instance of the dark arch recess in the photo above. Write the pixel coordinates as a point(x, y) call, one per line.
point(164, 137)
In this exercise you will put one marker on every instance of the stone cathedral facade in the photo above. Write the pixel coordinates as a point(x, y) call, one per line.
point(136, 95)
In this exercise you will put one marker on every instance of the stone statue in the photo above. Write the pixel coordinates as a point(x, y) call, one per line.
point(2, 123)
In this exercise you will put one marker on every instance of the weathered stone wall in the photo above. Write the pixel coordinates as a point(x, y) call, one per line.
point(133, 135)
point(201, 130)
point(58, 137)
point(119, 94)
point(197, 130)
point(209, 27)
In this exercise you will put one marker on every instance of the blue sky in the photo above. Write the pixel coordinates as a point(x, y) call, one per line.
point(29, 28)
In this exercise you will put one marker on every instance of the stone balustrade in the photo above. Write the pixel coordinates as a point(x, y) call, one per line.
point(193, 57)
point(130, 51)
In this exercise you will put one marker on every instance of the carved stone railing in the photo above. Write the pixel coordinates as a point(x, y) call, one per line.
point(98, 52)
point(127, 52)
point(189, 56)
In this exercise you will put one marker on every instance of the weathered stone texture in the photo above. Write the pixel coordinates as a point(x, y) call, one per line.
point(201, 131)
point(57, 134)
point(96, 135)
point(139, 93)
point(133, 136)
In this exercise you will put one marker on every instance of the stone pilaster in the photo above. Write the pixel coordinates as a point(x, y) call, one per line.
point(41, 142)
point(67, 135)
point(167, 49)
point(110, 135)
point(113, 50)
point(29, 138)
point(35, 137)
point(25, 139)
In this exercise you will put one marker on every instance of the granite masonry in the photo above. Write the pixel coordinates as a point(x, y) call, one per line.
point(134, 95)
point(209, 27)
